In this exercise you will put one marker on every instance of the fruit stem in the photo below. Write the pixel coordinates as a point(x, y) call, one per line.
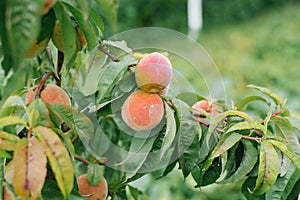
point(41, 84)
point(112, 56)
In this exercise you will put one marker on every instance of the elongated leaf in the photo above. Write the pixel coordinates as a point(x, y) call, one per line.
point(22, 26)
point(38, 114)
point(84, 26)
point(284, 185)
point(188, 135)
point(8, 141)
point(11, 120)
point(12, 101)
point(217, 119)
point(4, 154)
point(2, 167)
point(268, 168)
point(59, 159)
point(118, 44)
point(226, 142)
point(30, 170)
point(170, 132)
point(108, 9)
point(247, 125)
point(97, 21)
point(112, 74)
point(68, 32)
point(291, 155)
point(249, 160)
point(272, 95)
point(244, 102)
point(94, 174)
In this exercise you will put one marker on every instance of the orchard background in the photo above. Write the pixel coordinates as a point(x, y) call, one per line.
point(67, 70)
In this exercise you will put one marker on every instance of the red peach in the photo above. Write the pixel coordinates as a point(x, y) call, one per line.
point(142, 111)
point(98, 192)
point(153, 73)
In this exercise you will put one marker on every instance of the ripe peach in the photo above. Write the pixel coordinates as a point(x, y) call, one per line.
point(47, 5)
point(211, 108)
point(52, 94)
point(57, 38)
point(153, 73)
point(142, 111)
point(98, 192)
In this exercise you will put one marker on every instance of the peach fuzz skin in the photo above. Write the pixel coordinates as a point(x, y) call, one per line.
point(153, 73)
point(142, 111)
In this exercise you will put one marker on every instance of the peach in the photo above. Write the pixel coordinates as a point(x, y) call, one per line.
point(142, 111)
point(211, 108)
point(153, 73)
point(98, 192)
point(52, 94)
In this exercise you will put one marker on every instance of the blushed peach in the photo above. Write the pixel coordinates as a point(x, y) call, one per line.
point(142, 111)
point(98, 192)
point(154, 73)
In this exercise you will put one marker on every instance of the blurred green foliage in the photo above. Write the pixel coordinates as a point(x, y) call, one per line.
point(263, 51)
point(173, 13)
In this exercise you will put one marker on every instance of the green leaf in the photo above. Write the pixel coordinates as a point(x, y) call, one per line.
point(187, 137)
point(242, 103)
point(169, 136)
point(276, 98)
point(84, 25)
point(226, 142)
point(284, 185)
point(21, 27)
point(220, 117)
point(118, 44)
point(29, 164)
point(97, 21)
point(4, 154)
point(2, 167)
point(11, 102)
point(268, 168)
point(68, 33)
point(8, 141)
point(108, 9)
point(112, 74)
point(248, 162)
point(59, 159)
point(38, 114)
point(137, 194)
point(11, 120)
point(247, 125)
point(284, 148)
point(94, 174)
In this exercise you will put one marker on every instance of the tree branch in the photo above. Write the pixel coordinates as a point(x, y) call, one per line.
point(105, 51)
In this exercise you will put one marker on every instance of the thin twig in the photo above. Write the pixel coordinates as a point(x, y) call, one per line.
point(207, 125)
point(112, 56)
point(75, 138)
point(251, 138)
point(277, 112)
point(81, 159)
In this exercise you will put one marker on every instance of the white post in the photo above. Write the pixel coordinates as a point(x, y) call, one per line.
point(195, 21)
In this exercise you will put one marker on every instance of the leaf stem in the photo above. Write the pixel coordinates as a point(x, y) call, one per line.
point(207, 125)
point(81, 159)
point(105, 51)
point(251, 138)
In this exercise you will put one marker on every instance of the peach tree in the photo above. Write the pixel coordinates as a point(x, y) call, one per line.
point(82, 115)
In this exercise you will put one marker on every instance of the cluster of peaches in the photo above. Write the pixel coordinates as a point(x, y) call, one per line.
point(144, 109)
